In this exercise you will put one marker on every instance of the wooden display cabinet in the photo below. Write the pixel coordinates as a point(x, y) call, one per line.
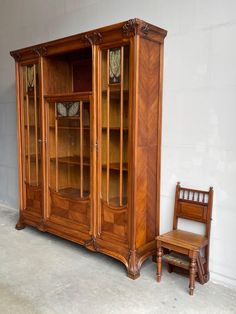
point(89, 131)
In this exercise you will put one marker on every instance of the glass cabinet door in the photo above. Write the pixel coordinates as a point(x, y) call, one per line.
point(69, 159)
point(114, 125)
point(31, 137)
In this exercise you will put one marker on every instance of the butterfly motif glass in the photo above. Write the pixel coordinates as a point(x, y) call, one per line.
point(30, 78)
point(114, 65)
point(68, 109)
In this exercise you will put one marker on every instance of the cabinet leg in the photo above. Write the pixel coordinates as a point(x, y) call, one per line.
point(192, 276)
point(133, 269)
point(159, 264)
point(207, 277)
point(20, 225)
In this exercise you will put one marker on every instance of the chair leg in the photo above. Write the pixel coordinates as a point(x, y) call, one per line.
point(159, 264)
point(206, 266)
point(169, 268)
point(192, 276)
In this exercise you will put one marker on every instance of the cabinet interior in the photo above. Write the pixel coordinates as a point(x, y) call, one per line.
point(68, 72)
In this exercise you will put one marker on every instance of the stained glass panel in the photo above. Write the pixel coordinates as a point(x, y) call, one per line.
point(115, 59)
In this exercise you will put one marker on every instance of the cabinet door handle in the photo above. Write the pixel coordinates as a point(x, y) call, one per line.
point(95, 146)
point(42, 141)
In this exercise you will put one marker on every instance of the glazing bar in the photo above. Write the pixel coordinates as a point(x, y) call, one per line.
point(108, 125)
point(36, 127)
point(81, 150)
point(28, 126)
point(56, 145)
point(121, 121)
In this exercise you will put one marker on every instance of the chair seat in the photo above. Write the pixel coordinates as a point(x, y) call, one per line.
point(188, 240)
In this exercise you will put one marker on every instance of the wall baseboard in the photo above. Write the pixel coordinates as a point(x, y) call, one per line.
point(8, 207)
point(223, 280)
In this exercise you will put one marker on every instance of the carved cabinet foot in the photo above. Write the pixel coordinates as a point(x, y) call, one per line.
point(133, 275)
point(20, 225)
point(133, 269)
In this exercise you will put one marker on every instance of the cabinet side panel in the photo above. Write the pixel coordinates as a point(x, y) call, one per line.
point(147, 141)
point(142, 198)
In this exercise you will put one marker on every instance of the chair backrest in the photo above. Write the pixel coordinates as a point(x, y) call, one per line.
point(193, 205)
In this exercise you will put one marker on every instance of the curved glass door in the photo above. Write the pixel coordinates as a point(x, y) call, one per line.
point(69, 159)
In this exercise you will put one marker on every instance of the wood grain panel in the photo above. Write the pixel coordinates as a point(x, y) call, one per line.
point(192, 211)
point(114, 221)
point(151, 193)
point(75, 210)
point(33, 199)
point(141, 207)
point(147, 141)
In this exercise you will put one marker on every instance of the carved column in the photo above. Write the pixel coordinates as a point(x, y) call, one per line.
point(40, 51)
point(16, 55)
point(94, 38)
point(135, 26)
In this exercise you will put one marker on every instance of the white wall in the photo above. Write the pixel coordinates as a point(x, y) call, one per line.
point(199, 105)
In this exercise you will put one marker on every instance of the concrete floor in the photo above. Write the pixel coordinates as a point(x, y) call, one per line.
point(40, 273)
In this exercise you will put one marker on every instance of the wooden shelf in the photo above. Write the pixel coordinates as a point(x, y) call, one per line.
point(30, 96)
point(85, 128)
point(73, 160)
point(68, 118)
point(31, 126)
point(68, 96)
point(70, 192)
point(33, 157)
point(116, 166)
point(114, 129)
point(114, 85)
point(115, 92)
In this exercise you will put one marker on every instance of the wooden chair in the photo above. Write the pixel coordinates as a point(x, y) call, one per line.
point(187, 250)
